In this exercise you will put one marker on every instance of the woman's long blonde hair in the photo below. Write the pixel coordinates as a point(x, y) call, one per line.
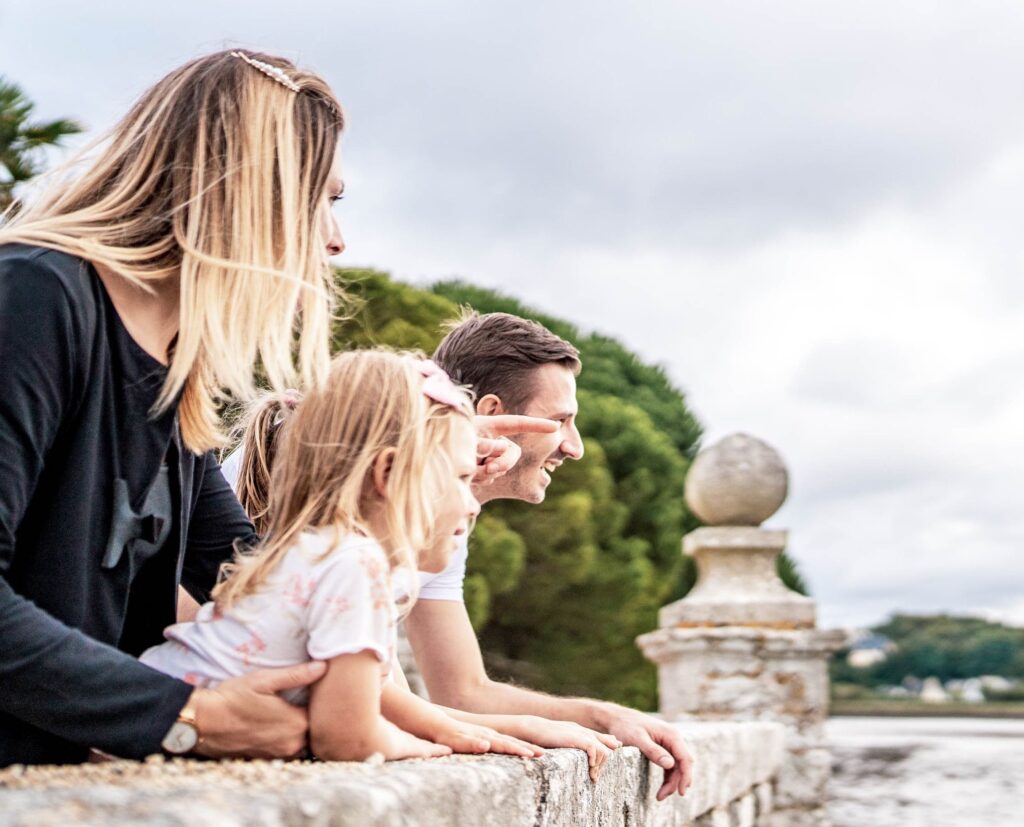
point(215, 177)
point(322, 471)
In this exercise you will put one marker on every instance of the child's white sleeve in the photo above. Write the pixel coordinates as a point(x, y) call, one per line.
point(231, 468)
point(351, 608)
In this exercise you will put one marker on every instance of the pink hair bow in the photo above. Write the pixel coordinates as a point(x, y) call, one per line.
point(289, 398)
point(437, 385)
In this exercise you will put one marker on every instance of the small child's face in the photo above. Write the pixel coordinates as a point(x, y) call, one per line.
point(456, 507)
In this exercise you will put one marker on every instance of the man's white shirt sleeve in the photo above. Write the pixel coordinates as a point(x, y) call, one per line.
point(447, 584)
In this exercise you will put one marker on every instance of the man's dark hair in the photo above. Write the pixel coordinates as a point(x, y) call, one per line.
point(498, 352)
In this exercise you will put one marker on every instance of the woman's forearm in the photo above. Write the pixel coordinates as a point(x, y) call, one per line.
point(41, 658)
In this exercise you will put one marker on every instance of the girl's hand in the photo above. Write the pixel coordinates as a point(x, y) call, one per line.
point(547, 733)
point(400, 745)
point(495, 457)
point(473, 738)
point(496, 454)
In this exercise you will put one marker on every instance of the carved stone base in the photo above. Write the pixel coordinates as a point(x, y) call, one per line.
point(737, 673)
point(737, 584)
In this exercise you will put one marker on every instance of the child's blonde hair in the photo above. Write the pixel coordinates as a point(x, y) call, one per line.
point(216, 177)
point(257, 438)
point(322, 461)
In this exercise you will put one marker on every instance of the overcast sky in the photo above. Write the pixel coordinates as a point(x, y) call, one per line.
point(808, 212)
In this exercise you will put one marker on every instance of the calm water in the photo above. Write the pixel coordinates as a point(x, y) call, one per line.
point(927, 772)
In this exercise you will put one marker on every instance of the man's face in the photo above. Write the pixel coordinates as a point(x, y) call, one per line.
point(552, 396)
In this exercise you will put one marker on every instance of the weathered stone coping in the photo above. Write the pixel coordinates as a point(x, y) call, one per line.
point(734, 762)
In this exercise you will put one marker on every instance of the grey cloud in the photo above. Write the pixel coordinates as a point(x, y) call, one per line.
point(857, 373)
point(626, 132)
point(693, 124)
point(522, 145)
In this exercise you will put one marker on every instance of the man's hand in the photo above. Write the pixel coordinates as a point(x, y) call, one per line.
point(244, 716)
point(659, 741)
point(546, 733)
point(496, 454)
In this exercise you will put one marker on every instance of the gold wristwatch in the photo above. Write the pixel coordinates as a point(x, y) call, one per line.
point(183, 736)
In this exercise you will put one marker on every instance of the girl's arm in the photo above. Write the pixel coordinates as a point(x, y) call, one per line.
point(429, 721)
point(187, 608)
point(345, 721)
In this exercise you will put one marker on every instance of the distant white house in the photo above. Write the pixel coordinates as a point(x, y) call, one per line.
point(996, 683)
point(932, 691)
point(972, 691)
point(869, 649)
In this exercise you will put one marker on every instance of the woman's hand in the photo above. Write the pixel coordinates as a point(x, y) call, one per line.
point(244, 717)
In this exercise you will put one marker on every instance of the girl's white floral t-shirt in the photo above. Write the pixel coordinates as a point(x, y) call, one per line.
point(328, 596)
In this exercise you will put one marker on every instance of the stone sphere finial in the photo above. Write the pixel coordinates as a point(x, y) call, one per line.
point(738, 481)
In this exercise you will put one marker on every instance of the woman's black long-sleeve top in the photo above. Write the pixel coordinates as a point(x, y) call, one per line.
point(81, 591)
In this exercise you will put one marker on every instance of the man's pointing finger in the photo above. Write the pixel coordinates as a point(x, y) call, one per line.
point(509, 424)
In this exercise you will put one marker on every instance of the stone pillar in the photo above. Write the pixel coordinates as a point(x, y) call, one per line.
point(741, 645)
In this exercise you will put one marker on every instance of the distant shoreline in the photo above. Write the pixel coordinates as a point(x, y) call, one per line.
point(915, 709)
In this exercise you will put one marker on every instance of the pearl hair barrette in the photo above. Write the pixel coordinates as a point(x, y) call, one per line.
point(272, 72)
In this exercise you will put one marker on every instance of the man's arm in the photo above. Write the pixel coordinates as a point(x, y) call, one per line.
point(448, 655)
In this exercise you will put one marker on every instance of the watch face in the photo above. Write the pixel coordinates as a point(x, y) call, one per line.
point(180, 738)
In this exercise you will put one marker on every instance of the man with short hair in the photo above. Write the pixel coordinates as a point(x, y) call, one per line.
point(517, 366)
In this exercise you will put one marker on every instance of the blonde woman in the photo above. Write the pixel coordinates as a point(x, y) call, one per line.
point(134, 299)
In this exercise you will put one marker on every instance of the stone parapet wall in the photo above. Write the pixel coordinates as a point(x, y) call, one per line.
point(735, 765)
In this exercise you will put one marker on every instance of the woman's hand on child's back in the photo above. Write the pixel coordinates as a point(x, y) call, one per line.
point(245, 717)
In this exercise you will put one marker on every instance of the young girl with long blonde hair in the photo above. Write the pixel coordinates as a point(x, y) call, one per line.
point(370, 481)
point(137, 291)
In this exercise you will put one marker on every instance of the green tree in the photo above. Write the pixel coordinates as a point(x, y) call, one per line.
point(23, 141)
point(602, 557)
point(946, 646)
point(558, 591)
